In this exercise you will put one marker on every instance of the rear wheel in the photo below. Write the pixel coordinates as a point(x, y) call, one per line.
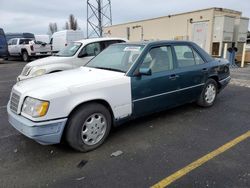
point(25, 56)
point(88, 127)
point(209, 93)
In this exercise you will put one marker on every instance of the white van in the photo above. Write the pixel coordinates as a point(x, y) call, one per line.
point(61, 39)
point(42, 38)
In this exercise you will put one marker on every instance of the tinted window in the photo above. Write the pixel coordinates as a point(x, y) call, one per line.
point(24, 41)
point(159, 59)
point(93, 49)
point(185, 56)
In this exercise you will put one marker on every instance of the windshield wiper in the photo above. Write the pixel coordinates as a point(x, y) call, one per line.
point(112, 69)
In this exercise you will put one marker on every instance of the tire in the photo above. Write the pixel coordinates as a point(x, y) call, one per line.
point(25, 56)
point(209, 93)
point(88, 127)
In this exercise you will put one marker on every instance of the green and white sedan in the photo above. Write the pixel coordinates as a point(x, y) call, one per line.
point(125, 81)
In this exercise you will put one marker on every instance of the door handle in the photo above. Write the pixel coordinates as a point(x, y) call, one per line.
point(204, 70)
point(173, 76)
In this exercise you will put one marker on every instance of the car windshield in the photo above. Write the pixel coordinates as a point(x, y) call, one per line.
point(118, 57)
point(69, 50)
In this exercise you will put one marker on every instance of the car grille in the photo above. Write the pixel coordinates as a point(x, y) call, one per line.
point(26, 70)
point(14, 102)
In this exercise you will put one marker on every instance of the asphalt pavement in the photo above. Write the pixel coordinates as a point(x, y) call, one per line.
point(152, 148)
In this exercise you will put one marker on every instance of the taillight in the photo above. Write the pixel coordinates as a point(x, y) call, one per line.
point(32, 48)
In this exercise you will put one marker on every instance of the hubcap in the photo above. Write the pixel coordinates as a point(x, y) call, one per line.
point(210, 93)
point(94, 129)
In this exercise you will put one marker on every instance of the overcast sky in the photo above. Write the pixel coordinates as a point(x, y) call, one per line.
point(35, 15)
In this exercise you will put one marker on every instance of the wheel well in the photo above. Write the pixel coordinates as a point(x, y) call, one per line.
point(23, 50)
point(100, 101)
point(217, 80)
point(55, 71)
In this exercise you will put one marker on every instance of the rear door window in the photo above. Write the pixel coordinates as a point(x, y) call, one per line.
point(24, 41)
point(184, 55)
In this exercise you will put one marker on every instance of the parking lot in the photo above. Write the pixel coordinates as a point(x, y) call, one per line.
point(153, 148)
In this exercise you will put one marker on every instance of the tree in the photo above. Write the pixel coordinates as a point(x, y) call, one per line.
point(72, 23)
point(52, 28)
point(66, 26)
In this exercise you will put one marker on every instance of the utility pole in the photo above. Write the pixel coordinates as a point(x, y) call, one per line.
point(98, 16)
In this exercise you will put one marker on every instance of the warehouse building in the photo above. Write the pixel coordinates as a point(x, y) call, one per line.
point(210, 28)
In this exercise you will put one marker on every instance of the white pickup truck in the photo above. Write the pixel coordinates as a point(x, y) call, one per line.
point(27, 48)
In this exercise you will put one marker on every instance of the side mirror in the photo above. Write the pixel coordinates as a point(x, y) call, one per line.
point(145, 71)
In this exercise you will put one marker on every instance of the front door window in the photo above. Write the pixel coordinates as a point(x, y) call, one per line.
point(159, 59)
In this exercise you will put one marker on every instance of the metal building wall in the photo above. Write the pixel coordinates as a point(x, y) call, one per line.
point(196, 25)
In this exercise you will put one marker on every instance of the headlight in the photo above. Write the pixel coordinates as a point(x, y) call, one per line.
point(34, 107)
point(39, 72)
point(26, 70)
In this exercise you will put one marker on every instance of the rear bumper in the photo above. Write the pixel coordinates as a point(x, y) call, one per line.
point(224, 82)
point(45, 133)
point(39, 54)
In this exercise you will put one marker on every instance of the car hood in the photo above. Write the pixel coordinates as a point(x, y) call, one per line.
point(48, 61)
point(70, 80)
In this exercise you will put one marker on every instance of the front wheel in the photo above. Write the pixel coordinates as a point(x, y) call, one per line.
point(25, 56)
point(88, 127)
point(209, 93)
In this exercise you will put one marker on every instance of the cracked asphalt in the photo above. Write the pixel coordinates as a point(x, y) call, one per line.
point(153, 147)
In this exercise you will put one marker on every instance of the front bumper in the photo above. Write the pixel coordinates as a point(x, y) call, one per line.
point(45, 133)
point(20, 78)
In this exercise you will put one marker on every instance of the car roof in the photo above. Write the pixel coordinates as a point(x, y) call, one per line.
point(207, 57)
point(87, 41)
point(155, 42)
